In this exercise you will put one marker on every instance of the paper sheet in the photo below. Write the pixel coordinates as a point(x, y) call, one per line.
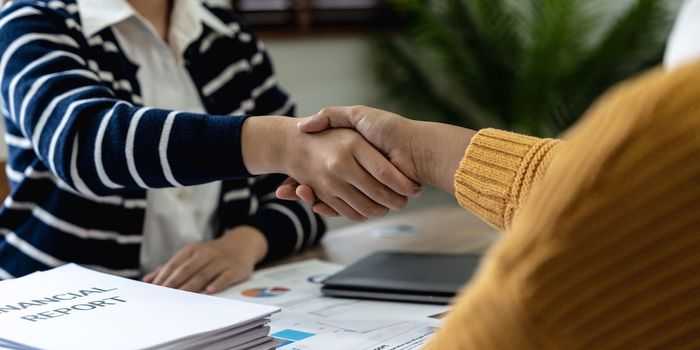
point(311, 321)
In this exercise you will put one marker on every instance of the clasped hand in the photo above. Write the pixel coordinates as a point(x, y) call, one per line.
point(348, 174)
point(427, 153)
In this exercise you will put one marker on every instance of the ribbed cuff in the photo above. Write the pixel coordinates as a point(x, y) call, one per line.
point(497, 172)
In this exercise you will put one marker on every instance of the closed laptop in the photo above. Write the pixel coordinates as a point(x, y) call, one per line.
point(400, 276)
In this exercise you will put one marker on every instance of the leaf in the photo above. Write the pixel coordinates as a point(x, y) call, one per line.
point(529, 65)
point(411, 85)
point(634, 43)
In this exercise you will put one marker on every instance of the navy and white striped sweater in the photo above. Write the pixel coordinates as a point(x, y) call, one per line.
point(83, 151)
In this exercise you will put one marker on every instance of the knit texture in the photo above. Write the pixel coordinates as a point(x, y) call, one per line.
point(498, 171)
point(604, 252)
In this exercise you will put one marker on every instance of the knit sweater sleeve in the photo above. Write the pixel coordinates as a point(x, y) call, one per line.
point(603, 255)
point(498, 171)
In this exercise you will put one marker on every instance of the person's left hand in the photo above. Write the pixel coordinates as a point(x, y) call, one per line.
point(214, 265)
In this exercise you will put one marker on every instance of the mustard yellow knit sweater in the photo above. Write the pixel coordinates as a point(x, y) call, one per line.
point(603, 242)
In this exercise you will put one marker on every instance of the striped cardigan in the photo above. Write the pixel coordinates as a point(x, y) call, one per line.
point(83, 150)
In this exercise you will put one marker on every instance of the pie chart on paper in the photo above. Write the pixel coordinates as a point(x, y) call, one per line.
point(264, 292)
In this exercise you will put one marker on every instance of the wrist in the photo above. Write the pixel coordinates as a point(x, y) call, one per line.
point(438, 150)
point(264, 141)
point(246, 241)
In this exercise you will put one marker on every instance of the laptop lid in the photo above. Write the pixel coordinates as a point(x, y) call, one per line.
point(400, 276)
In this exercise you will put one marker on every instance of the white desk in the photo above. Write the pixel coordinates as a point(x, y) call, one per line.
point(445, 229)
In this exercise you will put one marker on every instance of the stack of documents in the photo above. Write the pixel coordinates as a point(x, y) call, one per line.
point(71, 307)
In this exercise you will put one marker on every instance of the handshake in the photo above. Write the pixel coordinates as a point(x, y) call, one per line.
point(358, 162)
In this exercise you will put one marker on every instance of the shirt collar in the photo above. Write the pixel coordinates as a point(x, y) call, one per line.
point(210, 19)
point(97, 15)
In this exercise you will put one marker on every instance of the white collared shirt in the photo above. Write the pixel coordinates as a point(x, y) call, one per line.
point(683, 45)
point(174, 217)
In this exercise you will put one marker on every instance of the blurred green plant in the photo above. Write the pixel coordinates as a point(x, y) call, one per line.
point(532, 66)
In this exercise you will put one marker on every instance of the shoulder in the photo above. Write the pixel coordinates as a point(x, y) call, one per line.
point(226, 15)
point(223, 13)
point(63, 9)
point(32, 16)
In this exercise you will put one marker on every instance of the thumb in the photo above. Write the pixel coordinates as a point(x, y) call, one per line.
point(334, 117)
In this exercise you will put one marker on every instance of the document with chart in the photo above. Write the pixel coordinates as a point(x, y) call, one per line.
point(71, 307)
point(310, 321)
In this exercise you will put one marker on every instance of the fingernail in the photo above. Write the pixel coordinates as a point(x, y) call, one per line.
point(417, 191)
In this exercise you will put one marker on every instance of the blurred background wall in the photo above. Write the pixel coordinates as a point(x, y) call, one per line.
point(325, 70)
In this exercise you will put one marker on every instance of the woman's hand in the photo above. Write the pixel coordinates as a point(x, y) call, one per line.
point(348, 174)
point(214, 265)
point(426, 152)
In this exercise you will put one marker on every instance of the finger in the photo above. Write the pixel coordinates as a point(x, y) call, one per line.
point(299, 192)
point(306, 194)
point(381, 169)
point(323, 209)
point(375, 195)
point(173, 264)
point(200, 280)
point(287, 192)
point(186, 270)
point(343, 208)
point(149, 277)
point(333, 117)
point(358, 201)
point(225, 280)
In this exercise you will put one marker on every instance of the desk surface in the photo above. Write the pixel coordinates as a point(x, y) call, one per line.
point(446, 229)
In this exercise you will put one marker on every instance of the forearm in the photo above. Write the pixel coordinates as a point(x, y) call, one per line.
point(91, 140)
point(490, 172)
point(439, 148)
point(263, 143)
